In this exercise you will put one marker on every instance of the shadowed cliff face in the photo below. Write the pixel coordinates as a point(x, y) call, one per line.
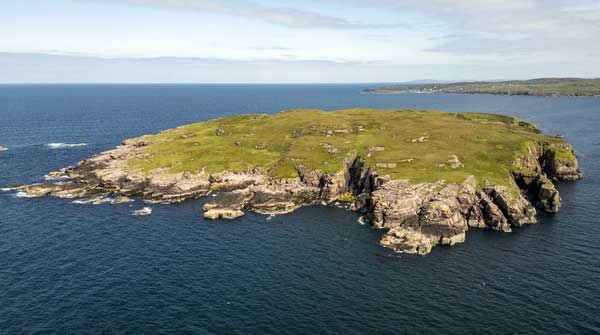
point(418, 216)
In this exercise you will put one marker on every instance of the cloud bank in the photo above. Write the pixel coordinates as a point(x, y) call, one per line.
point(282, 16)
point(43, 68)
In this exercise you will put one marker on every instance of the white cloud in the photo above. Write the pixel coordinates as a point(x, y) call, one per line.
point(282, 16)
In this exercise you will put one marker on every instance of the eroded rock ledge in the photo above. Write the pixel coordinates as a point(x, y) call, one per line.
point(417, 216)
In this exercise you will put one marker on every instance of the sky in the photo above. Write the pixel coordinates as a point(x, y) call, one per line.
point(293, 41)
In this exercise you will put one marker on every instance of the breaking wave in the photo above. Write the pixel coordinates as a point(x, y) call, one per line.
point(22, 194)
point(65, 145)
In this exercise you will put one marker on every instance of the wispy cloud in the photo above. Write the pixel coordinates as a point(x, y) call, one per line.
point(282, 16)
point(497, 26)
point(270, 48)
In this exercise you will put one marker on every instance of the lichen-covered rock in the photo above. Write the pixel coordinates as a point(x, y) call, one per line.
point(121, 200)
point(491, 214)
point(227, 205)
point(517, 210)
point(67, 189)
point(418, 216)
point(267, 200)
point(408, 240)
point(397, 203)
point(439, 221)
point(548, 196)
point(177, 187)
point(560, 162)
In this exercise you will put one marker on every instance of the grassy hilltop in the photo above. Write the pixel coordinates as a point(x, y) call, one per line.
point(405, 144)
point(537, 87)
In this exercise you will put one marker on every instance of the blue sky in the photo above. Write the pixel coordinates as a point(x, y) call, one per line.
point(296, 41)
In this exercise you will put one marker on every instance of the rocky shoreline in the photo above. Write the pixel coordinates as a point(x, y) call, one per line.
point(418, 216)
point(384, 91)
point(541, 87)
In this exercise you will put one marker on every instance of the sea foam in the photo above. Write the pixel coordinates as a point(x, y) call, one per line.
point(65, 145)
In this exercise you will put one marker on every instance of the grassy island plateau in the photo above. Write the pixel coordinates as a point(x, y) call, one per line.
point(535, 87)
point(424, 176)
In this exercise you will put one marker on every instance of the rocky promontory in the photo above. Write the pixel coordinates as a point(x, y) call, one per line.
point(424, 176)
point(542, 87)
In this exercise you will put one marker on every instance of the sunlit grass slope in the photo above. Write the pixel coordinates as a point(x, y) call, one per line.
point(404, 144)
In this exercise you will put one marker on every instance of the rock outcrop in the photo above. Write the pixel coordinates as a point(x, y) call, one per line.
point(418, 216)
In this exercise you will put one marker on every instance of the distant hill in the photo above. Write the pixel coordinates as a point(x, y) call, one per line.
point(536, 87)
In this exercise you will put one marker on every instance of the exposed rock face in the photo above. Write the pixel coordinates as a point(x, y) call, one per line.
point(514, 207)
point(120, 200)
point(544, 159)
point(227, 205)
point(541, 165)
point(492, 216)
point(438, 221)
point(418, 216)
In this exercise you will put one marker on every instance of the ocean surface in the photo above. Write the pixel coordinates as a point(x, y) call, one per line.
point(84, 269)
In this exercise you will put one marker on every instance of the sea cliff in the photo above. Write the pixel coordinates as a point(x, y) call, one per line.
point(424, 176)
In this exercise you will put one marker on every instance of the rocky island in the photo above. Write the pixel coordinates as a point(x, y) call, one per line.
point(427, 177)
point(575, 87)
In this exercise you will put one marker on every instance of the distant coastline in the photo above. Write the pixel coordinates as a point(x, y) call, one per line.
point(544, 87)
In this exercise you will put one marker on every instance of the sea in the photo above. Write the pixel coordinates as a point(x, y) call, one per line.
point(68, 268)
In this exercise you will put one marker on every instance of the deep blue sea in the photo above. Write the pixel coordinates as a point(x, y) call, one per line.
point(85, 269)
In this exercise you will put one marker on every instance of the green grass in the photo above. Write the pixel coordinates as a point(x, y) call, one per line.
point(486, 144)
point(545, 86)
point(346, 197)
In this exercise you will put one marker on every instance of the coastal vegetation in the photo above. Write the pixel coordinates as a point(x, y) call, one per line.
point(536, 87)
point(426, 176)
point(415, 145)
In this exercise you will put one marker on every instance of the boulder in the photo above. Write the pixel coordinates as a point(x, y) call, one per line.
point(121, 200)
point(227, 205)
point(268, 201)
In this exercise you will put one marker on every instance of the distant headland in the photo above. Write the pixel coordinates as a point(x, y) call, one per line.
point(575, 87)
point(425, 176)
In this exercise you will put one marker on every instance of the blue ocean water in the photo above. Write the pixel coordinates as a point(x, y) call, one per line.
point(84, 269)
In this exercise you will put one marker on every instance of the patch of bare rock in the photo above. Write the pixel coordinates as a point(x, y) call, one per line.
point(417, 217)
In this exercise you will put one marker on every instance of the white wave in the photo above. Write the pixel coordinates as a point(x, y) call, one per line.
point(48, 178)
point(92, 201)
point(65, 145)
point(142, 212)
point(22, 194)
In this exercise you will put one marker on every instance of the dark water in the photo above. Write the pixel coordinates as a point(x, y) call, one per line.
point(83, 269)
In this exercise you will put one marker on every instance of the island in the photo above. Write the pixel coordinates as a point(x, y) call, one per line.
point(575, 87)
point(426, 177)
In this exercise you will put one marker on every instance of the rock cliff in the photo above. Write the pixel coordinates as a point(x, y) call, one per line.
point(418, 215)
